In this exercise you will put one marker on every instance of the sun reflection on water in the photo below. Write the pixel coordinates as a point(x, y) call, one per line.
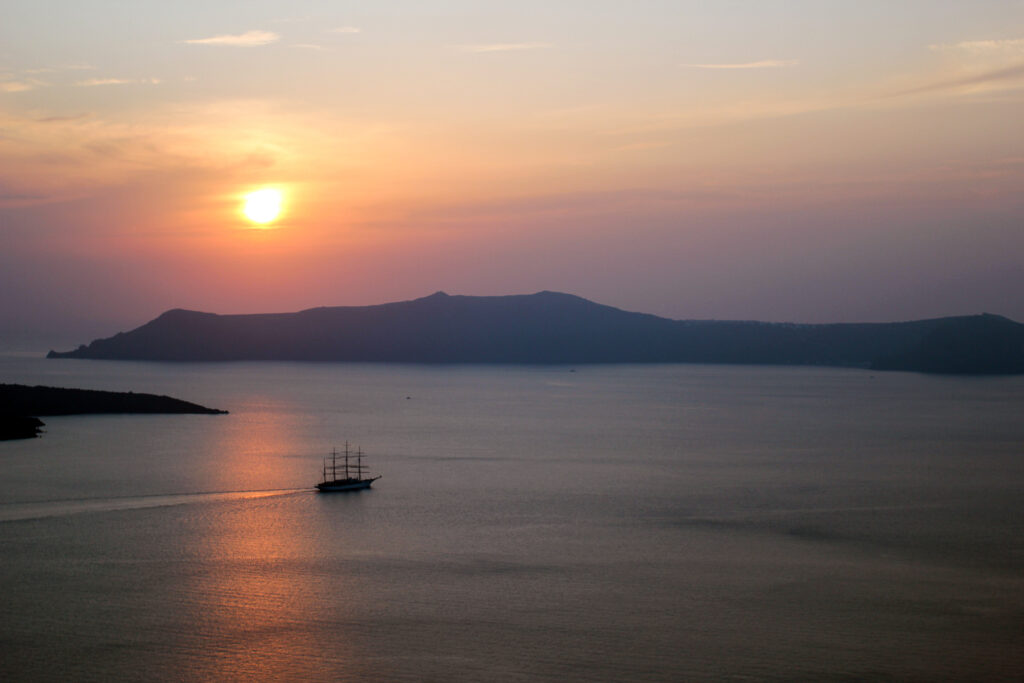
point(271, 604)
point(266, 600)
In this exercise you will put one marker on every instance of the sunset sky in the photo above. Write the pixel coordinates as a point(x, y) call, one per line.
point(800, 160)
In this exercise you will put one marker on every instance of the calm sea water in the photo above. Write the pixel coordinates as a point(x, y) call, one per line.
point(614, 523)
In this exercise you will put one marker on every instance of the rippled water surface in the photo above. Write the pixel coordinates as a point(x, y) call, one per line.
point(641, 523)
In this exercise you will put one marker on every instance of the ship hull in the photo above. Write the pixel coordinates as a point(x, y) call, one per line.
point(337, 486)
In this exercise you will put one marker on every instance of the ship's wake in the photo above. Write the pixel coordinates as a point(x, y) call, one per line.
point(11, 512)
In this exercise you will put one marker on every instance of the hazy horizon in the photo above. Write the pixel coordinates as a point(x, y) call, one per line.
point(800, 162)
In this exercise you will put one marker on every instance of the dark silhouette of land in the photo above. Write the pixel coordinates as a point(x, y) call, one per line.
point(19, 427)
point(982, 344)
point(20, 405)
point(550, 327)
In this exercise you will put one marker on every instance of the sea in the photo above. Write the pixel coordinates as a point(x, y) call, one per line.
point(531, 523)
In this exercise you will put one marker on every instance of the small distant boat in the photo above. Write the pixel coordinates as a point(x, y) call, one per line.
point(352, 474)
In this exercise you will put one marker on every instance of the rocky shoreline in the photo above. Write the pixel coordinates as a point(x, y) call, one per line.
point(21, 405)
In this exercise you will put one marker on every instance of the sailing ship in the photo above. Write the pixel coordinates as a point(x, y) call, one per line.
point(352, 474)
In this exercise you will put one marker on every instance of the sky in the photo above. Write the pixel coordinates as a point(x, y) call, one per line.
point(800, 160)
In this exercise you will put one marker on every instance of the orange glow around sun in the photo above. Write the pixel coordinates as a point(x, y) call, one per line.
point(263, 206)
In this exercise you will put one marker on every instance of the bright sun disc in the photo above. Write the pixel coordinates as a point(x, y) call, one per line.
point(263, 206)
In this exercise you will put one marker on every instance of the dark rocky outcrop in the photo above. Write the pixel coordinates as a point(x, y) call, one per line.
point(19, 427)
point(20, 399)
point(20, 404)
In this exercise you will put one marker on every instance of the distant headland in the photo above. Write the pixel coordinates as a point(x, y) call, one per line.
point(20, 406)
point(551, 328)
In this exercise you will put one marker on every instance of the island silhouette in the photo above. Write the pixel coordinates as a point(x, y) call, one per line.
point(21, 406)
point(552, 328)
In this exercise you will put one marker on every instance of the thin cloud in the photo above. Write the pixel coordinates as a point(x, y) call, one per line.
point(24, 79)
point(1010, 73)
point(981, 46)
point(247, 39)
point(20, 86)
point(61, 119)
point(502, 47)
point(763, 64)
point(345, 29)
point(92, 82)
point(309, 46)
point(55, 69)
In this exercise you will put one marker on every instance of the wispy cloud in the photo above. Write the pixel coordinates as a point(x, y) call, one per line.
point(345, 29)
point(993, 77)
point(20, 86)
point(61, 119)
point(117, 81)
point(502, 47)
point(25, 79)
point(762, 64)
point(55, 69)
point(309, 46)
point(975, 66)
point(247, 39)
point(1013, 45)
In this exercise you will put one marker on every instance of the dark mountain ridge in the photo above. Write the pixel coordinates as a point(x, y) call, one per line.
point(549, 327)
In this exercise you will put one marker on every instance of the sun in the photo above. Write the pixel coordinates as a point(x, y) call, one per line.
point(263, 206)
